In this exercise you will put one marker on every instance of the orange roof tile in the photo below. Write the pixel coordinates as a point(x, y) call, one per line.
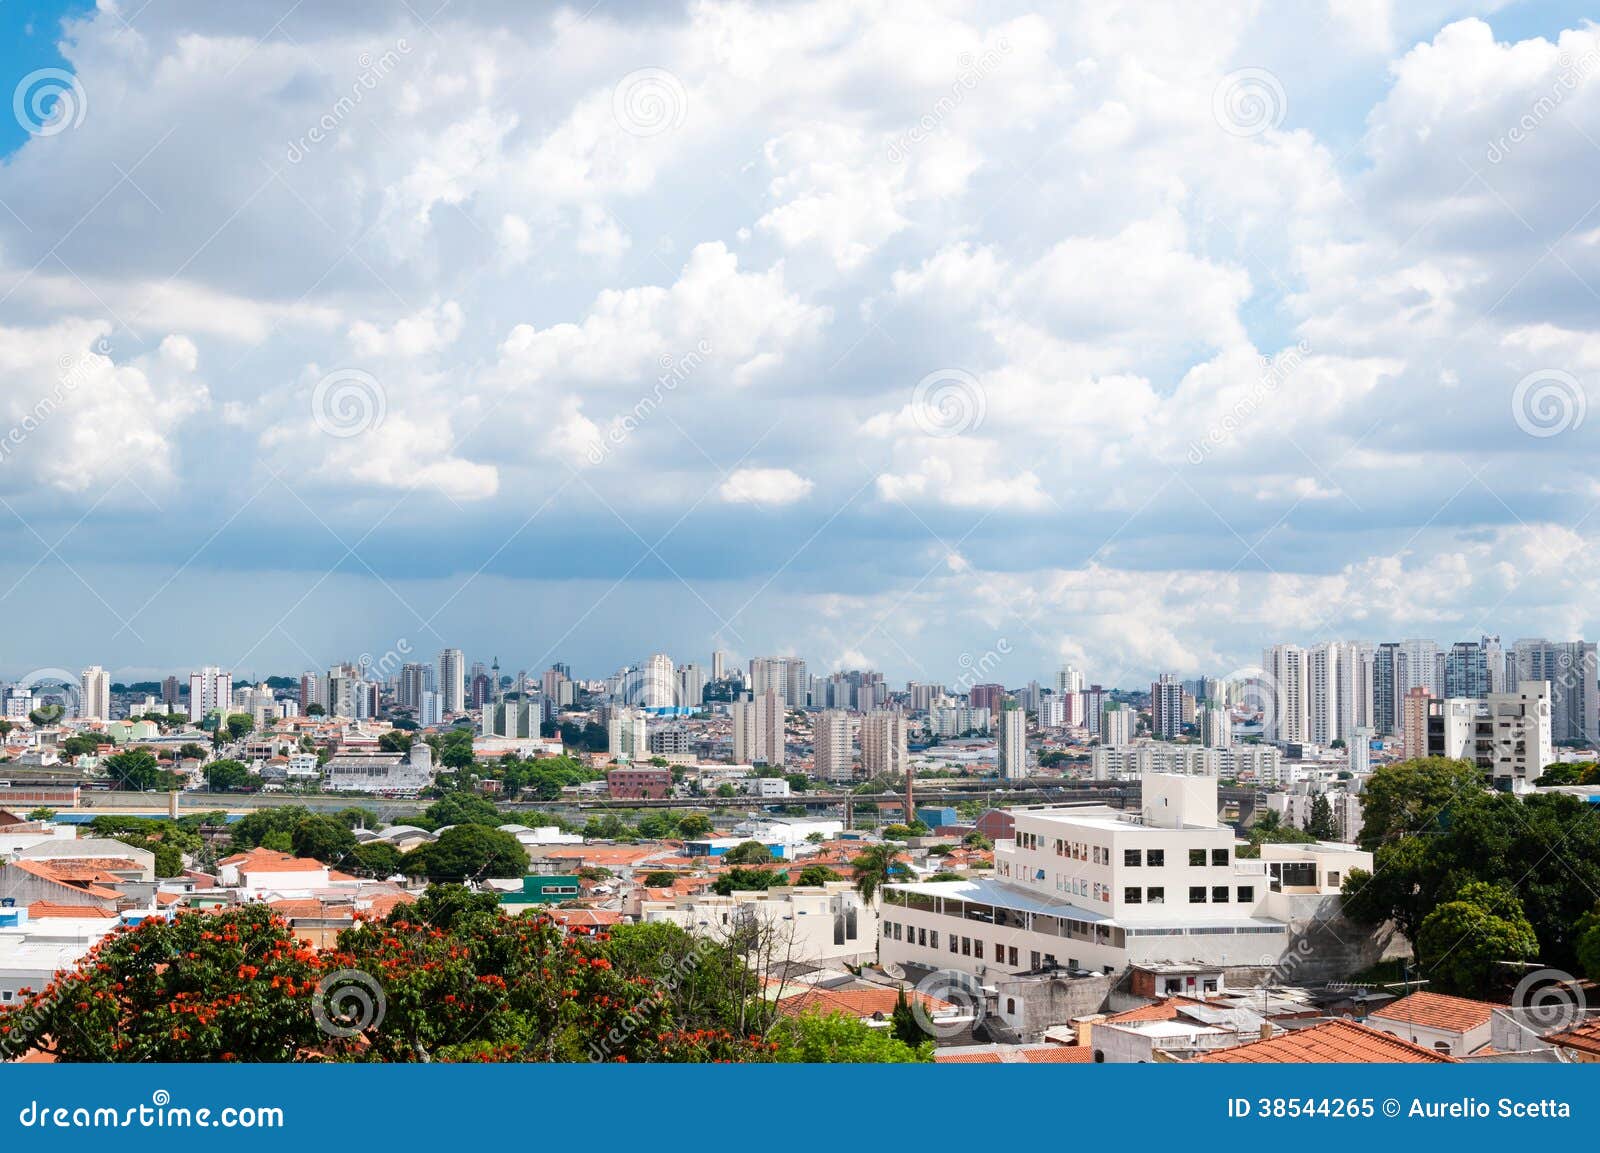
point(1438, 1011)
point(53, 909)
point(1333, 1042)
point(990, 1058)
point(1585, 1037)
point(1163, 1010)
point(853, 1002)
point(1059, 1055)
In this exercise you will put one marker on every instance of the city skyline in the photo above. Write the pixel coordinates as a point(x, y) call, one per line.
point(881, 355)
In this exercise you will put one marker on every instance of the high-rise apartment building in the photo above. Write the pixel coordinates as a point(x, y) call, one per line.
point(96, 686)
point(1117, 726)
point(758, 736)
point(210, 691)
point(784, 675)
point(691, 686)
point(883, 744)
point(1415, 707)
point(627, 737)
point(1011, 740)
point(1166, 707)
point(1068, 680)
point(831, 740)
point(1322, 693)
point(986, 696)
point(453, 681)
point(1285, 704)
point(413, 683)
point(1569, 669)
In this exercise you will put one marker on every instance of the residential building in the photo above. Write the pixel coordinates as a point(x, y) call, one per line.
point(1569, 668)
point(883, 744)
point(96, 686)
point(210, 691)
point(1166, 707)
point(637, 783)
point(628, 738)
point(831, 739)
point(1096, 888)
point(1011, 740)
point(452, 681)
point(758, 729)
point(1415, 707)
point(1520, 727)
point(1118, 725)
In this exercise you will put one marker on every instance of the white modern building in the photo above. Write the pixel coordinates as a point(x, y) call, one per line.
point(823, 925)
point(210, 691)
point(758, 736)
point(96, 684)
point(452, 681)
point(1096, 888)
point(1011, 744)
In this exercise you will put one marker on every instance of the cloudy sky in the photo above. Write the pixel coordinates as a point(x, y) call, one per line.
point(886, 334)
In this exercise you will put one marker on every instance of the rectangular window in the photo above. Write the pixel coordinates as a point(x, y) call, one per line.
point(955, 945)
point(1156, 895)
point(977, 949)
point(966, 946)
point(1219, 857)
point(1132, 858)
point(1247, 894)
point(1132, 895)
point(1197, 856)
point(933, 938)
point(1156, 858)
point(1013, 952)
point(922, 938)
point(1197, 894)
point(1219, 894)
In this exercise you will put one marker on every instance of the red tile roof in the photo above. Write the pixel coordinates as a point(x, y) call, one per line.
point(1163, 1010)
point(1585, 1037)
point(1438, 1011)
point(52, 909)
point(1332, 1042)
point(853, 1002)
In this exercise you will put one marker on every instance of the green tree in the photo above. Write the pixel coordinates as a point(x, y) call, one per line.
point(225, 776)
point(814, 1038)
point(328, 839)
point(692, 825)
point(1586, 934)
point(726, 790)
point(463, 809)
point(1464, 942)
point(238, 724)
point(1415, 796)
point(817, 875)
point(660, 879)
point(137, 770)
point(252, 829)
point(748, 853)
point(468, 852)
point(315, 710)
point(874, 867)
point(373, 859)
point(279, 841)
point(1319, 822)
point(395, 741)
point(190, 751)
point(41, 814)
point(904, 1024)
point(746, 880)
